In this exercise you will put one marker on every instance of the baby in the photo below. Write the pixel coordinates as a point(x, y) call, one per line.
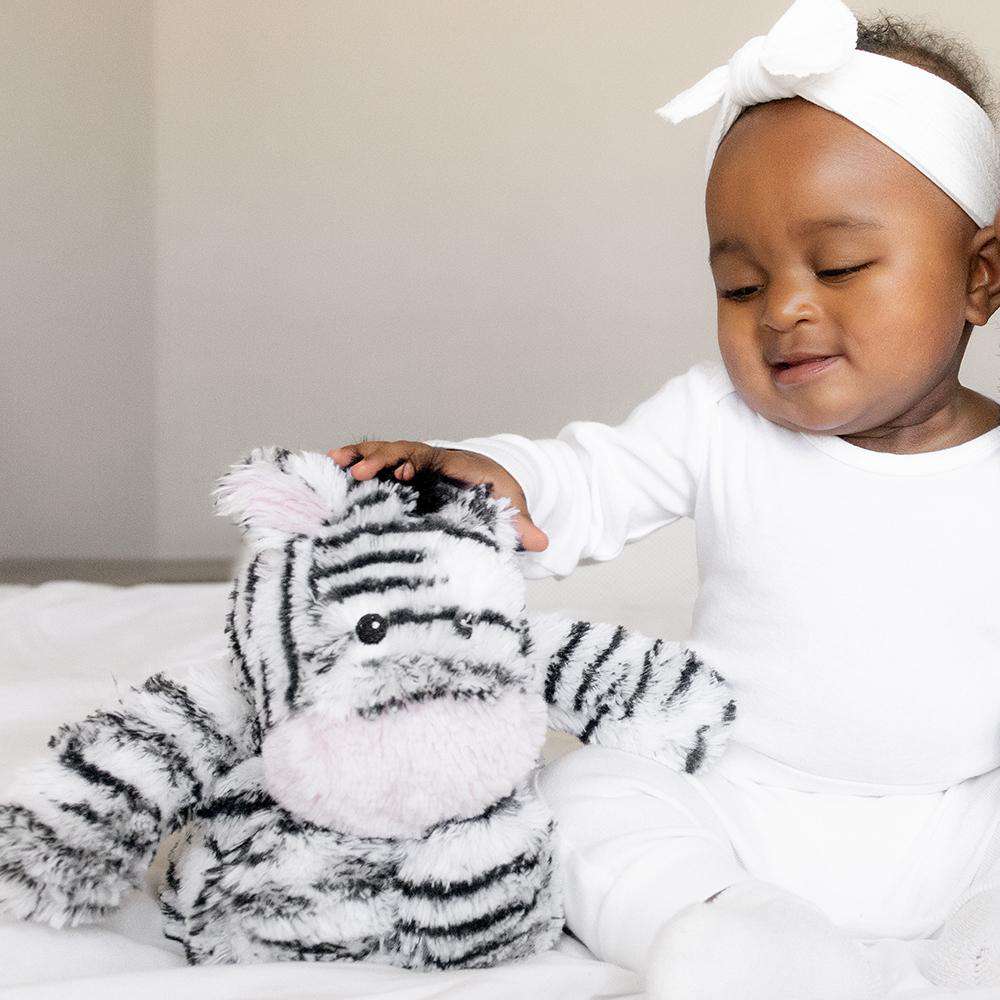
point(845, 488)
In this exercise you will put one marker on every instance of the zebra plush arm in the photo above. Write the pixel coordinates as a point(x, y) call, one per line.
point(611, 685)
point(79, 827)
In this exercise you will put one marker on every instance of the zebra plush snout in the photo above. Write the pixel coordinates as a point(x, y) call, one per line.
point(399, 773)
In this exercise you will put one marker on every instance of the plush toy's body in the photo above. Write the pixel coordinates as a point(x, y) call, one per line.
point(253, 883)
point(356, 777)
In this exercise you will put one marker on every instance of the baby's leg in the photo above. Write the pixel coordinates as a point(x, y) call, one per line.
point(652, 883)
point(636, 843)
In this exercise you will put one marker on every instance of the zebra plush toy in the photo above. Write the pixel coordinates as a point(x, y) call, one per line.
point(352, 780)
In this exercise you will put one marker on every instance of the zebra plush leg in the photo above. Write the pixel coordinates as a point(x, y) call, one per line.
point(478, 891)
point(79, 828)
point(252, 883)
point(610, 685)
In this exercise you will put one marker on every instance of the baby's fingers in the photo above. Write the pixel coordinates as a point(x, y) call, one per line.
point(530, 537)
point(345, 454)
point(366, 457)
point(375, 461)
point(382, 454)
point(533, 539)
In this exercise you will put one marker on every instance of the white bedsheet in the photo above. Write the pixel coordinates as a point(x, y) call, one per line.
point(66, 647)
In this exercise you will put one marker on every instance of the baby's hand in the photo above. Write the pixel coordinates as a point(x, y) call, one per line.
point(366, 458)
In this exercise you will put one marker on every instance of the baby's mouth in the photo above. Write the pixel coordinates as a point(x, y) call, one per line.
point(792, 374)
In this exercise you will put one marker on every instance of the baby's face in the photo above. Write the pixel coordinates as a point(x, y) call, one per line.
point(885, 297)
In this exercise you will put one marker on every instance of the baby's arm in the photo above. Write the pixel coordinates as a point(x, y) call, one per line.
point(590, 490)
point(79, 827)
point(595, 487)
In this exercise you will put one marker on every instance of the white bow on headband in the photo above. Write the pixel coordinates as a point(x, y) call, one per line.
point(812, 36)
point(811, 52)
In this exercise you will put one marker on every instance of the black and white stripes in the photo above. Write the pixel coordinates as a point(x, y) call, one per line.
point(84, 823)
point(609, 685)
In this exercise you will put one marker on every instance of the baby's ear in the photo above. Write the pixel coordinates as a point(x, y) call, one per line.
point(275, 493)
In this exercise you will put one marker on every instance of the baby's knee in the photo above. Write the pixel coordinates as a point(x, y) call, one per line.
point(558, 779)
point(635, 842)
point(591, 775)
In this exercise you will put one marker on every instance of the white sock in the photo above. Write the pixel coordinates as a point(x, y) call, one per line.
point(967, 952)
point(757, 941)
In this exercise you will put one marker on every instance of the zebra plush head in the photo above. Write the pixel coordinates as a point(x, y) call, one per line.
point(378, 629)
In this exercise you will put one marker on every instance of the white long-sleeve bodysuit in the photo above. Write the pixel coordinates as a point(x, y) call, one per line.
point(851, 599)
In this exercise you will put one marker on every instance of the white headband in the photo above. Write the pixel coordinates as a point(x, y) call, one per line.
point(811, 52)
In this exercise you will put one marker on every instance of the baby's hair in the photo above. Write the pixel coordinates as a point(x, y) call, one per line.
point(946, 55)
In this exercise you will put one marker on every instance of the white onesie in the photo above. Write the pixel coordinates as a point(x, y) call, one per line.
point(851, 599)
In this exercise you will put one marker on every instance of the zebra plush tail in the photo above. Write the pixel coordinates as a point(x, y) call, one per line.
point(80, 827)
point(611, 685)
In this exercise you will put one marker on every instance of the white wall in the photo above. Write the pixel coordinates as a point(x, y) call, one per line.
point(393, 219)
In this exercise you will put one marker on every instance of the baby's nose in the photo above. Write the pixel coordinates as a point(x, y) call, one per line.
point(786, 302)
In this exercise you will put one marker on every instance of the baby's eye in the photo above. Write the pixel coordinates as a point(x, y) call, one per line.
point(839, 272)
point(371, 628)
point(739, 293)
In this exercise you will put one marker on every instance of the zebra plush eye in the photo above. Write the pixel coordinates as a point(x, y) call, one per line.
point(371, 628)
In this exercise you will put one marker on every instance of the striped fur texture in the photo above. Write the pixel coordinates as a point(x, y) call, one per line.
point(353, 780)
point(610, 685)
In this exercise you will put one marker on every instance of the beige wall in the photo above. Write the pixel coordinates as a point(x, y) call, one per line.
point(388, 219)
point(76, 279)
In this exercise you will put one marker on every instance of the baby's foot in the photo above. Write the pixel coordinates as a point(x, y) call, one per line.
point(967, 952)
point(756, 941)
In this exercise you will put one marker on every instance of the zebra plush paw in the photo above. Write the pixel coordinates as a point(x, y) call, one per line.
point(683, 716)
point(50, 878)
point(19, 891)
point(610, 685)
point(65, 860)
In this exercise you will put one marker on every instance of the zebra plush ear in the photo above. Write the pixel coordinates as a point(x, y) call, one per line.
point(474, 509)
point(274, 493)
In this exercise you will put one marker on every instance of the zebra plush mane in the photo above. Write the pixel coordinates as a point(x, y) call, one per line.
point(353, 778)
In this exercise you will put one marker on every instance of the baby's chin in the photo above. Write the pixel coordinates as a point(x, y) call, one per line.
point(824, 402)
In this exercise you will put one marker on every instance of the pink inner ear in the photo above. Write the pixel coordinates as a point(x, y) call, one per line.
point(280, 501)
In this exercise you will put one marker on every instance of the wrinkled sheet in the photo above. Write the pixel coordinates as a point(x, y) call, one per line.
point(67, 648)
